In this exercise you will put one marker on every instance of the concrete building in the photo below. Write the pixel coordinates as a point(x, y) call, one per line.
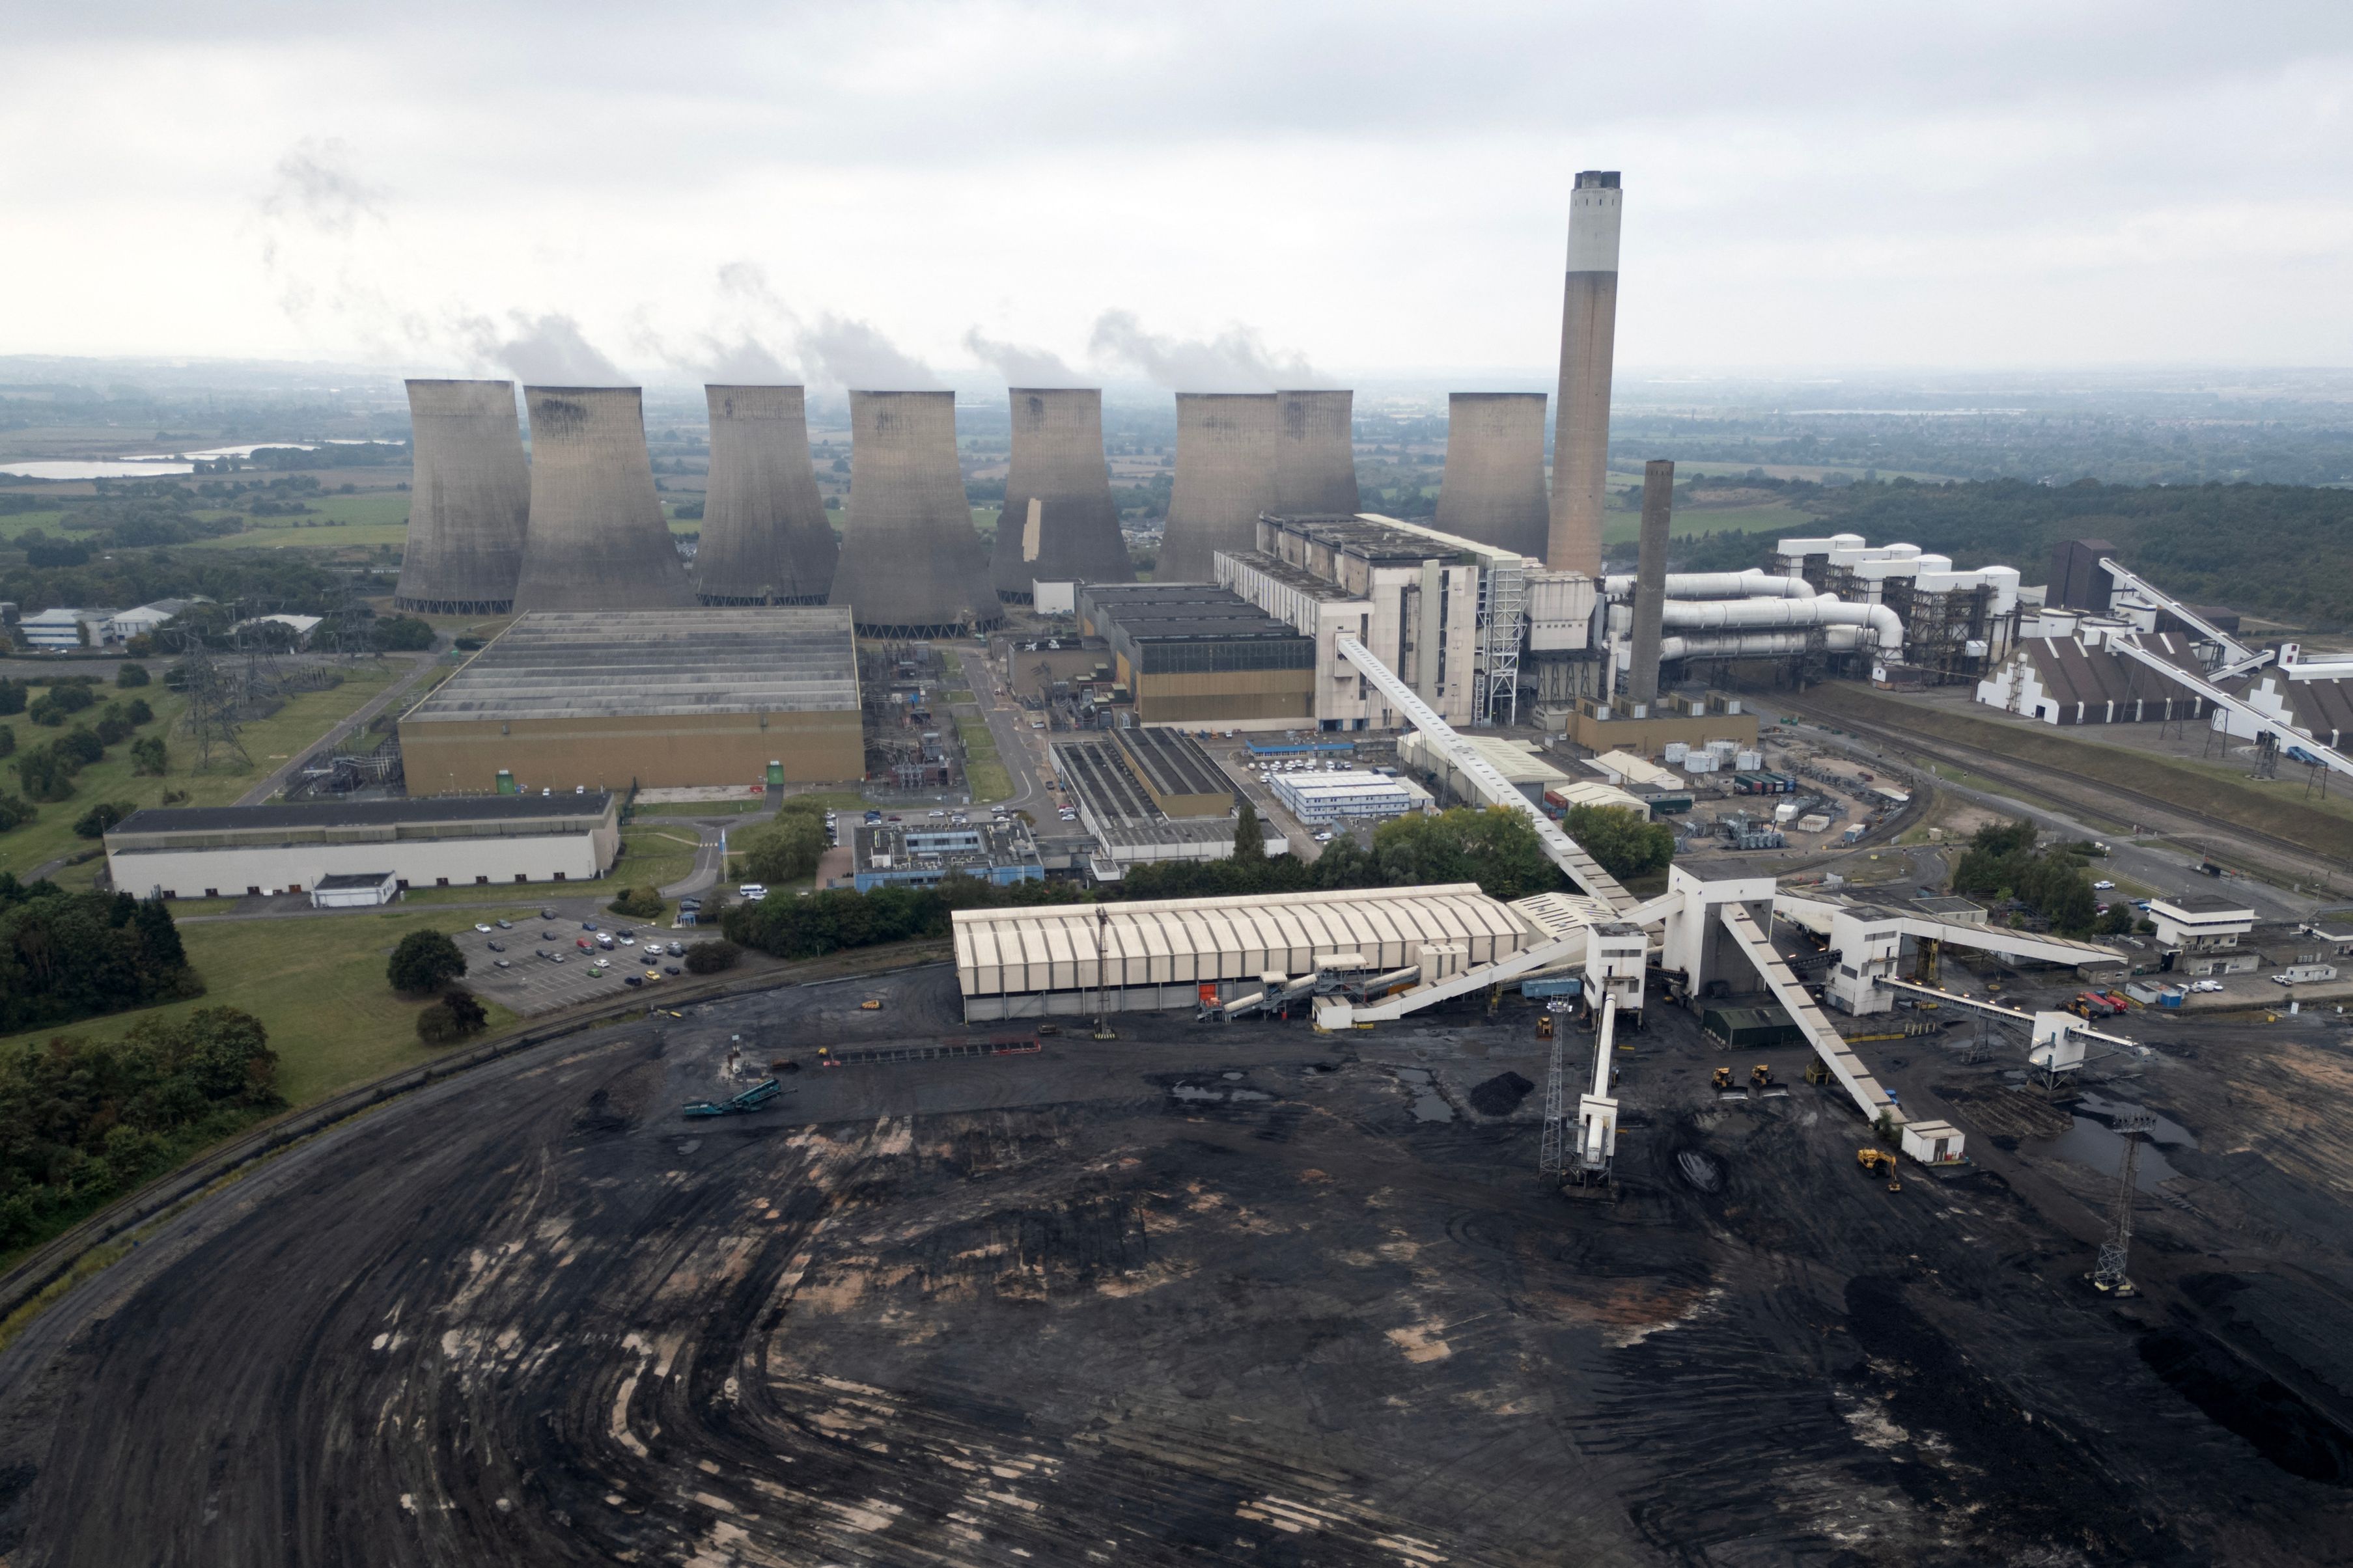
point(597, 539)
point(1588, 337)
point(659, 697)
point(1195, 655)
point(63, 629)
point(2312, 696)
point(354, 890)
point(1316, 452)
point(1178, 774)
point(468, 499)
point(1120, 810)
point(1059, 524)
point(766, 537)
point(2194, 922)
point(912, 564)
point(1521, 765)
point(1224, 478)
point(1067, 960)
point(2078, 680)
point(923, 855)
point(1494, 488)
point(147, 619)
point(228, 851)
point(1330, 796)
point(1957, 625)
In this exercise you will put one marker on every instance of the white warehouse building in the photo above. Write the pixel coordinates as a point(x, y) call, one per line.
point(226, 851)
point(1175, 953)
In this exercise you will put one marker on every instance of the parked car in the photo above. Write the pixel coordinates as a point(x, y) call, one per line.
point(631, 980)
point(2282, 980)
point(625, 933)
point(587, 925)
point(629, 941)
point(584, 943)
point(678, 949)
point(504, 925)
point(669, 969)
point(541, 952)
point(497, 946)
point(555, 958)
point(2101, 886)
point(755, 892)
point(547, 914)
point(605, 940)
point(480, 927)
point(502, 964)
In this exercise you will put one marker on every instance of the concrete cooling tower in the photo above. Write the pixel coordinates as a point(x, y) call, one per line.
point(1315, 453)
point(597, 541)
point(912, 564)
point(469, 498)
point(1494, 490)
point(1588, 336)
point(1059, 524)
point(1225, 477)
point(766, 540)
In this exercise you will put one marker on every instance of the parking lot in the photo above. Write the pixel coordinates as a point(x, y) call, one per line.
point(532, 984)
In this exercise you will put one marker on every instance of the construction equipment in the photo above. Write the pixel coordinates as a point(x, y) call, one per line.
point(1876, 1160)
point(872, 1004)
point(1723, 1078)
point(1543, 1025)
point(751, 1099)
point(1761, 1075)
point(1818, 1071)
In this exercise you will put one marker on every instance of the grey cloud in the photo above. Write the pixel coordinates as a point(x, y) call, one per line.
point(314, 185)
point(1236, 360)
point(1021, 364)
point(852, 353)
point(542, 350)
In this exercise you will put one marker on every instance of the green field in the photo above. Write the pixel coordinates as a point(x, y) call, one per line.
point(985, 771)
point(361, 521)
point(658, 854)
point(316, 982)
point(12, 525)
point(269, 742)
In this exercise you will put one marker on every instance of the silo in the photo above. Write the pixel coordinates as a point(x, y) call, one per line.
point(1494, 490)
point(1588, 334)
point(597, 539)
point(1059, 524)
point(469, 498)
point(766, 540)
point(1225, 477)
point(912, 564)
point(1315, 453)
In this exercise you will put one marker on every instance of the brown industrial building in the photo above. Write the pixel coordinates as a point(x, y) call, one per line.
point(1196, 653)
point(1695, 720)
point(566, 699)
point(1182, 778)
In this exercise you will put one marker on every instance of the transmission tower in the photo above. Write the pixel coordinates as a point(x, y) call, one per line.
point(2116, 1252)
point(211, 720)
point(1552, 1159)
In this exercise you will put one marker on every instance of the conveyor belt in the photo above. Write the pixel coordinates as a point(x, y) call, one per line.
point(1790, 992)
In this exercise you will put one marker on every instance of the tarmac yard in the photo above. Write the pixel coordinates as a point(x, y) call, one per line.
point(1240, 1294)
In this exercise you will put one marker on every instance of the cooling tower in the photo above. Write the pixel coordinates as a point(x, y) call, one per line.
point(597, 540)
point(469, 498)
point(766, 540)
point(1059, 524)
point(1588, 334)
point(1650, 579)
point(1225, 477)
point(1315, 453)
point(1494, 490)
point(911, 564)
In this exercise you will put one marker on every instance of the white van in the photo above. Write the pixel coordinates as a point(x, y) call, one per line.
point(752, 892)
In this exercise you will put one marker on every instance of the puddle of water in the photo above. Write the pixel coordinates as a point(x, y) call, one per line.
point(1430, 1108)
point(2092, 1145)
point(2166, 1132)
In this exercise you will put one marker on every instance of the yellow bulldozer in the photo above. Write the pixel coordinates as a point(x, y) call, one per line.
point(1723, 1077)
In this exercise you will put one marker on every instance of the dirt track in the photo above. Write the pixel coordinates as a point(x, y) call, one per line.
point(1236, 1295)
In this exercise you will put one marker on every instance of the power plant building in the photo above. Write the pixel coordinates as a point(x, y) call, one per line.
point(1196, 654)
point(659, 699)
point(597, 539)
point(1224, 478)
point(1494, 488)
point(912, 564)
point(765, 538)
point(1588, 336)
point(1316, 452)
point(1059, 524)
point(469, 500)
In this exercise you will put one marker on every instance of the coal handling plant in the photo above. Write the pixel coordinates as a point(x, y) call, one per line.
point(1059, 524)
point(1224, 479)
point(469, 500)
point(1210, 1292)
point(597, 539)
point(912, 562)
point(765, 538)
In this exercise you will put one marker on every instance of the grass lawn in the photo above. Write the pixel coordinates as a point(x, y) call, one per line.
point(365, 521)
point(269, 742)
point(657, 855)
point(13, 524)
point(985, 771)
point(316, 982)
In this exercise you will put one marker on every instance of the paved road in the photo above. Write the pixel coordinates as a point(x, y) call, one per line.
point(375, 705)
point(709, 862)
point(1020, 748)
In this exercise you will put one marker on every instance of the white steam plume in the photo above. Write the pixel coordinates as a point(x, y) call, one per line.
point(541, 351)
point(1236, 360)
point(852, 353)
point(1022, 366)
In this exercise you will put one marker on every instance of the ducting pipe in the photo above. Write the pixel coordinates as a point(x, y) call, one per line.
point(1759, 645)
point(1757, 615)
point(1752, 584)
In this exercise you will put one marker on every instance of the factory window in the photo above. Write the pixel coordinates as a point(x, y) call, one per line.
point(441, 881)
point(521, 878)
point(559, 876)
point(482, 882)
point(253, 892)
point(212, 892)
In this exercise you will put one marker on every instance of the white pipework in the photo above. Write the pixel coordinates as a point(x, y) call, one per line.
point(1759, 645)
point(1753, 583)
point(1747, 615)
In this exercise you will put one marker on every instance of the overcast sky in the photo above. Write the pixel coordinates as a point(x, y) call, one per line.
point(1251, 192)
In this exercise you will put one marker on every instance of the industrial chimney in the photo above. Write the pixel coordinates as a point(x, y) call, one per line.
point(1650, 579)
point(1225, 477)
point(766, 540)
point(597, 540)
point(469, 498)
point(1588, 334)
point(1315, 454)
point(1059, 524)
point(911, 564)
point(1494, 490)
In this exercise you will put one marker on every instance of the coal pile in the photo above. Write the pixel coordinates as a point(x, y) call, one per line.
point(1500, 1095)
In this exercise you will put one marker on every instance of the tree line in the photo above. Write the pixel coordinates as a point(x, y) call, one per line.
point(66, 955)
point(2002, 862)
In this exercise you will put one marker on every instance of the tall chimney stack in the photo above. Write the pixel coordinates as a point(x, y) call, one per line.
point(1650, 579)
point(1588, 334)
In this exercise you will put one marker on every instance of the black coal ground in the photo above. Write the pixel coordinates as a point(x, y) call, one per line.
point(1048, 1309)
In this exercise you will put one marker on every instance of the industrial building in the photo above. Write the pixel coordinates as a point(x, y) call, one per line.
point(1341, 793)
point(1064, 960)
point(1224, 478)
point(2079, 680)
point(912, 564)
point(1198, 655)
point(924, 854)
point(1119, 790)
point(765, 538)
point(655, 698)
point(1059, 524)
point(2196, 923)
point(1954, 625)
point(597, 539)
point(215, 851)
point(1493, 486)
point(469, 500)
point(1521, 765)
point(1178, 774)
point(1588, 336)
point(2311, 697)
point(1316, 452)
